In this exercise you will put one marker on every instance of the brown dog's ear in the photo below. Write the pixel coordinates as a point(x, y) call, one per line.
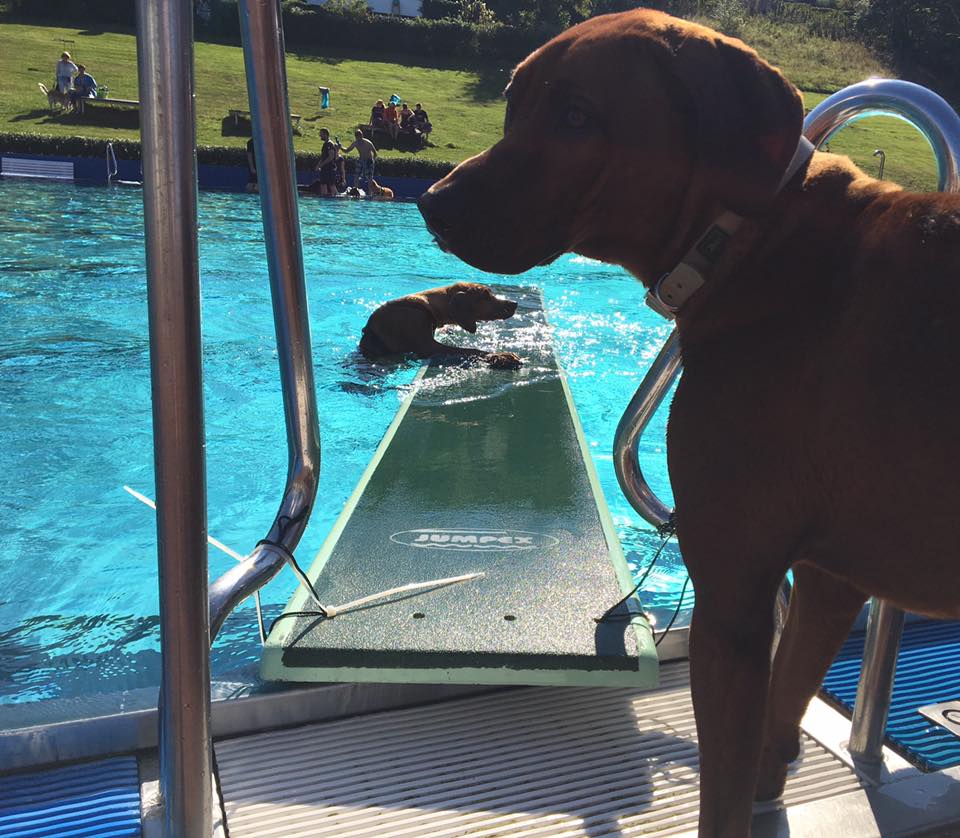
point(747, 117)
point(461, 307)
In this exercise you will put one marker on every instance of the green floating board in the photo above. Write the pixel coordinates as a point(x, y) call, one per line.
point(482, 471)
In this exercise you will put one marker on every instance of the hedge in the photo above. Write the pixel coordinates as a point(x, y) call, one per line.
point(440, 9)
point(209, 155)
point(314, 27)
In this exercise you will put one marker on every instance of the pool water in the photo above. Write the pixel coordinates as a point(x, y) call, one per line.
point(78, 580)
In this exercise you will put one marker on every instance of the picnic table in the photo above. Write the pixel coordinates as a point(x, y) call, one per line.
point(237, 115)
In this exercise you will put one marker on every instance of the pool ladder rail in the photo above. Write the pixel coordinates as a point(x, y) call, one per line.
point(940, 125)
point(113, 168)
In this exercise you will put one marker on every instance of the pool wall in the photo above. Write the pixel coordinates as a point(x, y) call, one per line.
point(231, 178)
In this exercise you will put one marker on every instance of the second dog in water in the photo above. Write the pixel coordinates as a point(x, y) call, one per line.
point(407, 325)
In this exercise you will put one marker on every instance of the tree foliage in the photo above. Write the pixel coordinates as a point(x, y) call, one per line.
point(922, 37)
point(550, 14)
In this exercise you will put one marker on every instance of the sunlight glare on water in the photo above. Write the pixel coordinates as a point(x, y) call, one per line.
point(78, 584)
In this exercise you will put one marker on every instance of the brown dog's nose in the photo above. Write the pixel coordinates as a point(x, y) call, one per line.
point(439, 226)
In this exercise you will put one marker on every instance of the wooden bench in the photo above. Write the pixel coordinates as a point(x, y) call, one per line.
point(237, 115)
point(87, 102)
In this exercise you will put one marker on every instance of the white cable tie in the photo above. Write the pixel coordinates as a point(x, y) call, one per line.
point(333, 610)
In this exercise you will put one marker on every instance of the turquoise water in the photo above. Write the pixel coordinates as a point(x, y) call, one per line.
point(78, 592)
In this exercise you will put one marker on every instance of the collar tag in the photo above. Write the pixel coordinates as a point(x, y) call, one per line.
point(674, 288)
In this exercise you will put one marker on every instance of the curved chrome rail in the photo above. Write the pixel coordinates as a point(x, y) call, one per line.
point(273, 141)
point(626, 461)
point(931, 115)
point(924, 109)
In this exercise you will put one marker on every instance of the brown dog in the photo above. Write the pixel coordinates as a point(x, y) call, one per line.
point(407, 325)
point(55, 99)
point(815, 423)
point(376, 192)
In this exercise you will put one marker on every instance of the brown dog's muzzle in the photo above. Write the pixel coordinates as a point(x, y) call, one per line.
point(485, 213)
point(439, 216)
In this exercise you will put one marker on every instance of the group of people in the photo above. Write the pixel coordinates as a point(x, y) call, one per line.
point(73, 80)
point(331, 169)
point(393, 121)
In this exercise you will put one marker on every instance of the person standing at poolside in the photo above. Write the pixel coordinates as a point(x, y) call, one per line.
point(65, 70)
point(368, 155)
point(327, 167)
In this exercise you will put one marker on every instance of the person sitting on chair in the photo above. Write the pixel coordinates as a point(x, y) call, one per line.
point(420, 120)
point(405, 116)
point(391, 121)
point(376, 115)
point(84, 85)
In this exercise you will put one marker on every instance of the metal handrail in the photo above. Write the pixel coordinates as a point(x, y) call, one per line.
point(111, 163)
point(929, 113)
point(190, 616)
point(165, 66)
point(938, 122)
point(263, 54)
point(626, 459)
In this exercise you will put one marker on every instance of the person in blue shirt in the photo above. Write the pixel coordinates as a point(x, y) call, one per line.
point(84, 85)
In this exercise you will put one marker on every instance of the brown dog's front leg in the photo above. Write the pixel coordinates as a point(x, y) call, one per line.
point(730, 640)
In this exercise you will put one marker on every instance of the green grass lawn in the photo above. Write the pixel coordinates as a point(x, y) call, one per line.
point(464, 104)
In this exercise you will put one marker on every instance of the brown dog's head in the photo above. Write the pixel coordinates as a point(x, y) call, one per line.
point(621, 135)
point(469, 302)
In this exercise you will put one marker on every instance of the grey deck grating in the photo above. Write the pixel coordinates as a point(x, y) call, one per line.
point(530, 763)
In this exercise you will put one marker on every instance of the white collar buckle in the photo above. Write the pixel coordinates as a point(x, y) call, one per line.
point(671, 292)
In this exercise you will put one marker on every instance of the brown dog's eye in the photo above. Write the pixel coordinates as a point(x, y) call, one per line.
point(575, 118)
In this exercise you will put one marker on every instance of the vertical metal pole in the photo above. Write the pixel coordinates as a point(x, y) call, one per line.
point(165, 63)
point(875, 689)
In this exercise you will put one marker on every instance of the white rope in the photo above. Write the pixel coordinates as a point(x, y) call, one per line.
point(220, 546)
point(329, 610)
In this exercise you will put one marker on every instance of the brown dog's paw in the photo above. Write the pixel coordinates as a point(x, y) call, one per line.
point(772, 777)
point(503, 360)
